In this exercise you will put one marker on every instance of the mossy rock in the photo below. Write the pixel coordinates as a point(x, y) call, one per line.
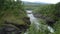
point(13, 19)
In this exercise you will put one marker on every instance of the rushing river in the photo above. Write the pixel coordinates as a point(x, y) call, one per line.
point(36, 22)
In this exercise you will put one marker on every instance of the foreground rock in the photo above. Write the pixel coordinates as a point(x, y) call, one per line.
point(13, 28)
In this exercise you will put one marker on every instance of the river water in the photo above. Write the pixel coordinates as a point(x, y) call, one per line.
point(36, 22)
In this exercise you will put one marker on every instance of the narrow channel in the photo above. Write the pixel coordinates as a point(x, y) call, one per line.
point(36, 22)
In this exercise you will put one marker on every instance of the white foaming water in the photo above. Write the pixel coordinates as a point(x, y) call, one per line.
point(35, 21)
point(51, 29)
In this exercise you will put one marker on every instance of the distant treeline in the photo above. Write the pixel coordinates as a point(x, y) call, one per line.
point(32, 5)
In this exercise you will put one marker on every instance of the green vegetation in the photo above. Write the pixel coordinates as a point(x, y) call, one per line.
point(52, 11)
point(12, 11)
point(13, 17)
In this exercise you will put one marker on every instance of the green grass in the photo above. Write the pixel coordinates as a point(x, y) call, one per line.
point(57, 27)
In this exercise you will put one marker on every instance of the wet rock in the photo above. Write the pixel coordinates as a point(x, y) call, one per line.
point(49, 20)
point(13, 28)
point(1, 30)
point(27, 20)
point(8, 29)
point(37, 15)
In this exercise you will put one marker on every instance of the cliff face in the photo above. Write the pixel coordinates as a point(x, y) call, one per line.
point(14, 27)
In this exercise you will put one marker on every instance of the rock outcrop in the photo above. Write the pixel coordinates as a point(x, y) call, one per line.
point(48, 20)
point(14, 28)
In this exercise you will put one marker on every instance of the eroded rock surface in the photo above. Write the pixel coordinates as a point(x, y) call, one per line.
point(49, 20)
point(14, 28)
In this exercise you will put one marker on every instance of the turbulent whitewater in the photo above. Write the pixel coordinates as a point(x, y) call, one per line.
point(36, 22)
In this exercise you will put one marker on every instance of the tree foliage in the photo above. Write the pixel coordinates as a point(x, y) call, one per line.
point(57, 13)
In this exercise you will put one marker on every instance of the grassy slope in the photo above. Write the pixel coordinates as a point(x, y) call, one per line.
point(49, 12)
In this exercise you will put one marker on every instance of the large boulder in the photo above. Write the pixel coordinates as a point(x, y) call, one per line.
point(16, 26)
point(8, 29)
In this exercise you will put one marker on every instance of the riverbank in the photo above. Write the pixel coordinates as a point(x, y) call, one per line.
point(51, 14)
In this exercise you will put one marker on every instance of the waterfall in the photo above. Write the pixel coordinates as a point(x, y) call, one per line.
point(36, 22)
